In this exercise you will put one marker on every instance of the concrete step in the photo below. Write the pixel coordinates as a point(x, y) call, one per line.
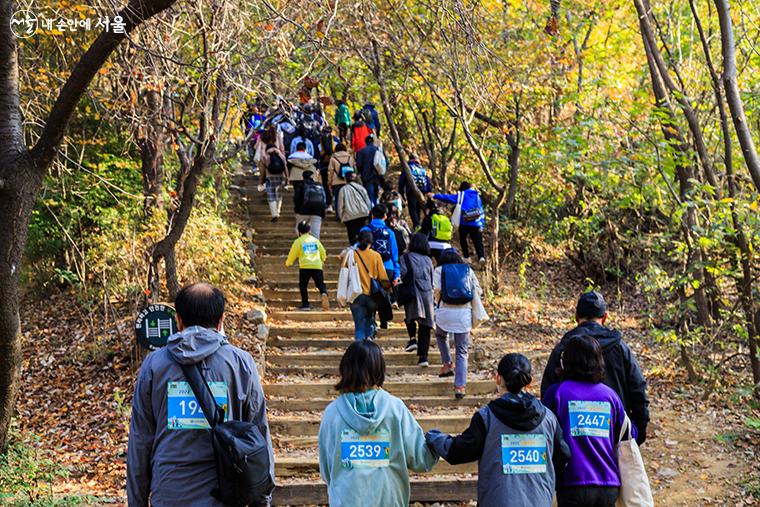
point(395, 330)
point(332, 358)
point(304, 405)
point(404, 389)
point(298, 427)
point(427, 489)
point(322, 343)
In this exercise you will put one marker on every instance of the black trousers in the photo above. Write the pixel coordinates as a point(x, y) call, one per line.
point(328, 190)
point(414, 210)
point(422, 333)
point(343, 130)
point(474, 233)
point(587, 496)
point(304, 275)
point(353, 227)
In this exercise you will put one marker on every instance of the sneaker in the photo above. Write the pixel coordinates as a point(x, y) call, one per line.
point(325, 302)
point(423, 363)
point(459, 392)
point(329, 209)
point(411, 346)
point(306, 308)
point(274, 219)
point(446, 371)
point(482, 263)
point(394, 305)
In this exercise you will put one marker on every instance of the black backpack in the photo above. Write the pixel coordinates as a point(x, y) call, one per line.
point(314, 198)
point(381, 242)
point(276, 165)
point(241, 451)
point(406, 290)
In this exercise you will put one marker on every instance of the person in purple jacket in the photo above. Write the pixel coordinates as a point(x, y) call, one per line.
point(591, 415)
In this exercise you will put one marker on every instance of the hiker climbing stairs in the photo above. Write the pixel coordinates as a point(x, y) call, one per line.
point(302, 356)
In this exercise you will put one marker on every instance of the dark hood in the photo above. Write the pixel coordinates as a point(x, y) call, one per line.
point(606, 337)
point(519, 411)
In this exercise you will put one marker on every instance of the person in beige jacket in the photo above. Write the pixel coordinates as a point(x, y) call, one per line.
point(353, 206)
point(341, 162)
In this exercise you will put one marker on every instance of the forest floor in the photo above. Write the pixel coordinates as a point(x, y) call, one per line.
point(77, 381)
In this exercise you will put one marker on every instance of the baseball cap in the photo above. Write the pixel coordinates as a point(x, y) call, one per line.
point(591, 305)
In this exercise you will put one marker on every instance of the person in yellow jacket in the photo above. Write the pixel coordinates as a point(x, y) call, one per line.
point(310, 254)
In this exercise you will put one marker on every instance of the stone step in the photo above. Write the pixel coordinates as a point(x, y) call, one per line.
point(304, 405)
point(298, 427)
point(332, 284)
point(321, 343)
point(285, 229)
point(427, 489)
point(332, 359)
point(327, 242)
point(395, 330)
point(287, 467)
point(284, 249)
point(313, 316)
point(332, 371)
point(403, 389)
point(280, 275)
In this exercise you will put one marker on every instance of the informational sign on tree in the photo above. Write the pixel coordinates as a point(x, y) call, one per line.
point(154, 325)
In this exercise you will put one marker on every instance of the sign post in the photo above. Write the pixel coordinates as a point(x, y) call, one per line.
point(154, 325)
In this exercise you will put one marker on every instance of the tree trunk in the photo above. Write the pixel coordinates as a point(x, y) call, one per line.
point(514, 165)
point(152, 154)
point(733, 97)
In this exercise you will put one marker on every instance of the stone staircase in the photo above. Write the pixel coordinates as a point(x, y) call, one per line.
point(302, 356)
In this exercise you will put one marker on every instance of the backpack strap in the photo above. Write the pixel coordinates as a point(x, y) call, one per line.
point(211, 410)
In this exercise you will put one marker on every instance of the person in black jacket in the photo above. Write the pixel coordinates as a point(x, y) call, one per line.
point(622, 371)
point(310, 203)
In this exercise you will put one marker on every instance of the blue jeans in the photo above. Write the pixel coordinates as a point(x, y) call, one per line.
point(363, 311)
point(462, 345)
point(372, 189)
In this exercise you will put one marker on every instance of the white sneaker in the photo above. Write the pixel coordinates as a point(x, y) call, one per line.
point(329, 209)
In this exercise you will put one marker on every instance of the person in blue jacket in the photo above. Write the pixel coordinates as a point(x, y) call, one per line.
point(384, 242)
point(368, 439)
point(375, 123)
point(406, 188)
point(472, 220)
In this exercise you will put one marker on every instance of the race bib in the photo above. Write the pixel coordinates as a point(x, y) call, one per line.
point(365, 451)
point(310, 248)
point(589, 418)
point(185, 412)
point(523, 454)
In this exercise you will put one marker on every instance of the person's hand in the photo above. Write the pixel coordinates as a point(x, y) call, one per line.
point(396, 281)
point(429, 195)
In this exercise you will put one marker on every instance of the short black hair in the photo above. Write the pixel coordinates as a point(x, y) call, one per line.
point(303, 227)
point(300, 146)
point(350, 176)
point(200, 304)
point(465, 185)
point(369, 139)
point(450, 256)
point(379, 211)
point(582, 360)
point(515, 370)
point(362, 367)
point(307, 175)
point(418, 243)
point(365, 239)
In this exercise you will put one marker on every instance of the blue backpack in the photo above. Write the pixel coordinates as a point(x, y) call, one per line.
point(381, 242)
point(455, 284)
point(419, 174)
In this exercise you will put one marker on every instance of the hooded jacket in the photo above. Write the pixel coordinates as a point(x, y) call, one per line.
point(352, 481)
point(299, 164)
point(621, 372)
point(176, 467)
point(471, 201)
point(391, 265)
point(365, 163)
point(343, 115)
point(512, 414)
point(359, 133)
point(353, 202)
point(333, 168)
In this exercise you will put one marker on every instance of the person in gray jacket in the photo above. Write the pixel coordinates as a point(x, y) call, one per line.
point(419, 312)
point(517, 442)
point(170, 459)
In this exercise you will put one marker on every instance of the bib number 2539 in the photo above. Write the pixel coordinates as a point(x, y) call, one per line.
point(365, 451)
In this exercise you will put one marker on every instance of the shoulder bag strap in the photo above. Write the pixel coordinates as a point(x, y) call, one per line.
point(625, 429)
point(211, 410)
point(356, 253)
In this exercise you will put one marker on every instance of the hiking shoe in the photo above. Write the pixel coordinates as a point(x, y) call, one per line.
point(459, 392)
point(423, 362)
point(411, 346)
point(446, 371)
point(306, 308)
point(325, 302)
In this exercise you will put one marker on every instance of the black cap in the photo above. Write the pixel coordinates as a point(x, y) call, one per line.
point(591, 305)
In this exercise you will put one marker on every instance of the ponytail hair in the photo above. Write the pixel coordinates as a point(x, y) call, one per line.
point(515, 370)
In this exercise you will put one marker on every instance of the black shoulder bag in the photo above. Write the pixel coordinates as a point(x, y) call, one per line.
point(406, 291)
point(240, 450)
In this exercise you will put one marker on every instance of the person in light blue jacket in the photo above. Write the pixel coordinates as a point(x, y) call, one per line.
point(368, 439)
point(472, 220)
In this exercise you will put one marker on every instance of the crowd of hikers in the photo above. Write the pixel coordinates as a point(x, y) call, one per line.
point(211, 446)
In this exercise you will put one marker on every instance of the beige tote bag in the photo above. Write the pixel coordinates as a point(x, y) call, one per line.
point(634, 483)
